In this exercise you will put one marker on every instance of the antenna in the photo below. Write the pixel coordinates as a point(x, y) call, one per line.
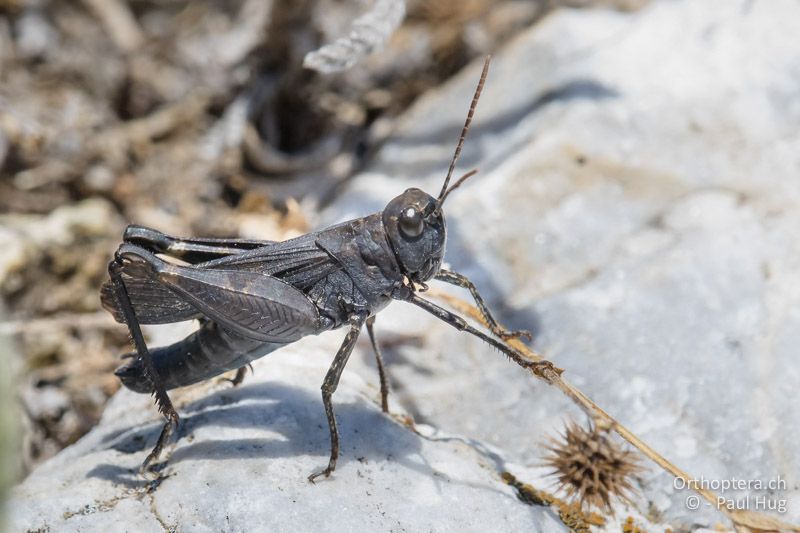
point(464, 130)
point(458, 182)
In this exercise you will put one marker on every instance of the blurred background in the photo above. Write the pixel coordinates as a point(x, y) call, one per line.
point(197, 118)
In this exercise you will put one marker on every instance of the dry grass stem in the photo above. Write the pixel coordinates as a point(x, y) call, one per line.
point(119, 22)
point(743, 520)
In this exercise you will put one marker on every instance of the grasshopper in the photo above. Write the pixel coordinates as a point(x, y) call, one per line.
point(253, 297)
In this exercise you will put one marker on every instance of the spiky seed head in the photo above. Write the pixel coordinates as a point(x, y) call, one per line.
point(590, 467)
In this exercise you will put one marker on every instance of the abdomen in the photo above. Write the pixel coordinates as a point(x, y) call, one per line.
point(208, 352)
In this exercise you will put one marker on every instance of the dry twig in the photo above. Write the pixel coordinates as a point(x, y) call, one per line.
point(369, 33)
point(119, 22)
point(743, 520)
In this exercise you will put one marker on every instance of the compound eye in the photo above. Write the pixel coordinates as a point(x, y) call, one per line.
point(411, 222)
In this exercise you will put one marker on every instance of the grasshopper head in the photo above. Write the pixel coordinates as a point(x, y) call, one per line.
point(415, 226)
point(414, 220)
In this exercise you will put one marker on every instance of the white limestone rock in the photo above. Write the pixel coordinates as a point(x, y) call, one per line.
point(245, 454)
point(637, 208)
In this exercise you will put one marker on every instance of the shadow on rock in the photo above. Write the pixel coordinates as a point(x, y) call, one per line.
point(293, 413)
point(577, 89)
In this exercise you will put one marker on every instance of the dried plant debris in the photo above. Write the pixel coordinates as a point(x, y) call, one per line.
point(194, 117)
point(629, 526)
point(52, 265)
point(591, 468)
point(743, 520)
point(570, 514)
point(369, 33)
point(8, 422)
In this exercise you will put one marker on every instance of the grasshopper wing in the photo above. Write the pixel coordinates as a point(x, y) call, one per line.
point(153, 302)
point(298, 262)
point(252, 304)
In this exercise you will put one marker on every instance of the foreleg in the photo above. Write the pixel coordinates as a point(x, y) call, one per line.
point(460, 280)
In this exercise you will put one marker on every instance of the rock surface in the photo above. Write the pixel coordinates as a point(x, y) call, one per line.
point(244, 457)
point(637, 208)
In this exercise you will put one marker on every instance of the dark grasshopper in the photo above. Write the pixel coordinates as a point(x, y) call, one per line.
point(253, 297)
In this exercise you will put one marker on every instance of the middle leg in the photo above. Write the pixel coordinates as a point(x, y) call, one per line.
point(379, 361)
point(329, 387)
point(241, 372)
